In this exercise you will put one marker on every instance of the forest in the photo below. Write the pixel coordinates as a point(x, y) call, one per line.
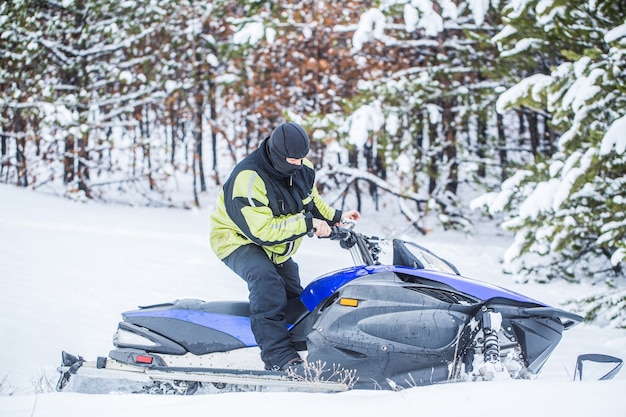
point(514, 109)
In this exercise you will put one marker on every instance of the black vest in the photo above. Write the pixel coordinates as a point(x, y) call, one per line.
point(285, 193)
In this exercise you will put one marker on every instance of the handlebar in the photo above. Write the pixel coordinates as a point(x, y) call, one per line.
point(339, 231)
point(364, 249)
point(342, 231)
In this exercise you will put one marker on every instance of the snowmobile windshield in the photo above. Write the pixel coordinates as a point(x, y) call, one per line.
point(415, 256)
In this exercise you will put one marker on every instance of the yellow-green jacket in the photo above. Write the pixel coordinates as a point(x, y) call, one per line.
point(258, 205)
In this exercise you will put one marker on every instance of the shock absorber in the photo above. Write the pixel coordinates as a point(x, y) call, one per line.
point(491, 323)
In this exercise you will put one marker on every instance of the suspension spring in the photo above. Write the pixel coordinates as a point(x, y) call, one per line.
point(491, 324)
point(491, 347)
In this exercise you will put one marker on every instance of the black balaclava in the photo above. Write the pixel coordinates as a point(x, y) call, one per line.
point(288, 140)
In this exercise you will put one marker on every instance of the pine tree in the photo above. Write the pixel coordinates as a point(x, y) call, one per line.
point(23, 75)
point(571, 208)
point(433, 71)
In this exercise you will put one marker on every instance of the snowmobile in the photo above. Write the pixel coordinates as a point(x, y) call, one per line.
point(414, 322)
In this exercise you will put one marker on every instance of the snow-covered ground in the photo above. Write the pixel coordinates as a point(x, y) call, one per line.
point(68, 269)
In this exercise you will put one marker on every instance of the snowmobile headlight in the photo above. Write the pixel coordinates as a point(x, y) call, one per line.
point(349, 302)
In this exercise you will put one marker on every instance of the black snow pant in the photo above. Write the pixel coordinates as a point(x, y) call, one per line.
point(270, 285)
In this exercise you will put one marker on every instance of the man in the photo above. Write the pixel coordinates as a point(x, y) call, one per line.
point(266, 206)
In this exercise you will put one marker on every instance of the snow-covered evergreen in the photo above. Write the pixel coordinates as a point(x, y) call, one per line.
point(568, 208)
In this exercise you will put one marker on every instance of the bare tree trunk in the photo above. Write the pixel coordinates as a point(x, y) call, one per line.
point(22, 171)
point(419, 152)
point(199, 135)
point(144, 125)
point(522, 126)
point(372, 167)
point(68, 160)
point(533, 130)
point(172, 134)
point(213, 110)
point(197, 164)
point(3, 153)
point(133, 159)
point(502, 153)
point(82, 169)
point(353, 162)
point(433, 166)
point(481, 141)
point(19, 127)
point(450, 148)
point(548, 137)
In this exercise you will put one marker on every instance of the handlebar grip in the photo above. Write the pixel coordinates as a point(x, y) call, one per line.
point(338, 233)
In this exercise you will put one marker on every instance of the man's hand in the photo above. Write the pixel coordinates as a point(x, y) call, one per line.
point(321, 228)
point(351, 215)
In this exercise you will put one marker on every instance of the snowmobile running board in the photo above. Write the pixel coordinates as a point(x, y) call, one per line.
point(248, 378)
point(91, 377)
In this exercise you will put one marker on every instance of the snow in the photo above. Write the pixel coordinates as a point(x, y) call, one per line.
point(585, 87)
point(70, 268)
point(533, 84)
point(537, 202)
point(171, 86)
point(503, 34)
point(479, 10)
point(392, 124)
point(434, 113)
point(430, 21)
point(371, 25)
point(615, 137)
point(615, 33)
point(521, 46)
point(421, 15)
point(251, 32)
point(212, 60)
point(365, 119)
point(126, 77)
point(411, 18)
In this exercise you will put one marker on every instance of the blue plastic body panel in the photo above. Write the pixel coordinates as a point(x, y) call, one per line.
point(328, 284)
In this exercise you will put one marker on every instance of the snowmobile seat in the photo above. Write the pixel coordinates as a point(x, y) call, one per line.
point(295, 309)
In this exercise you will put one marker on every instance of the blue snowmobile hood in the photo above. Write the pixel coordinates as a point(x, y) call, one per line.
point(328, 284)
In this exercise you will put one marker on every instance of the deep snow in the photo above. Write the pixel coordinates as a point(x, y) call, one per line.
point(68, 269)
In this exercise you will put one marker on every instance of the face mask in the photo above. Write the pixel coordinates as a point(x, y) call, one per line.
point(288, 140)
